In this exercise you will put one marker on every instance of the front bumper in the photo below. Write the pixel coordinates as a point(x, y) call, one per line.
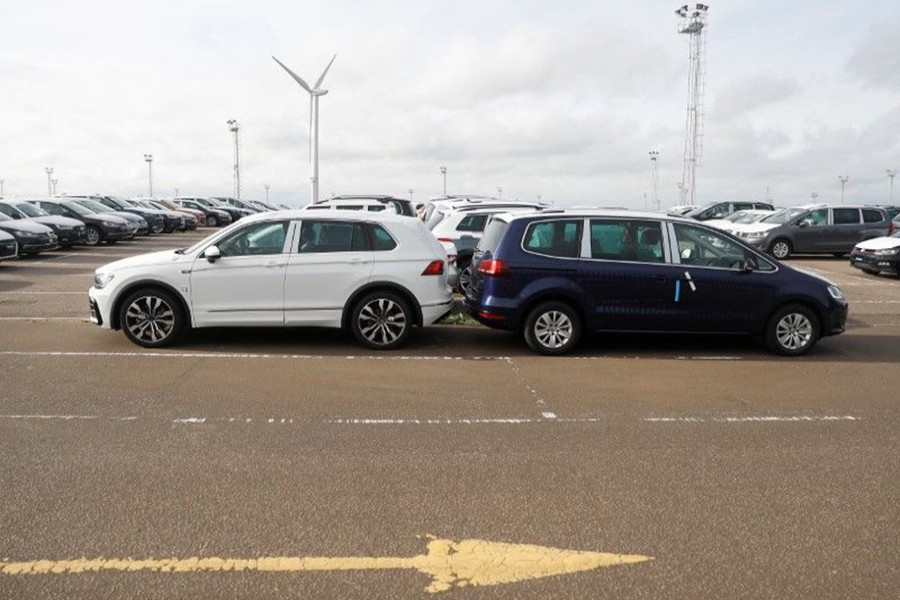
point(875, 264)
point(67, 237)
point(100, 304)
point(41, 245)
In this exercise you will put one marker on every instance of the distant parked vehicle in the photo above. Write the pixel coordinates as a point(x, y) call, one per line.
point(235, 202)
point(878, 255)
point(155, 219)
point(9, 249)
point(213, 217)
point(173, 211)
point(100, 227)
point(68, 231)
point(400, 206)
point(31, 238)
point(554, 274)
point(375, 275)
point(679, 211)
point(737, 220)
point(138, 224)
point(816, 229)
point(720, 210)
point(233, 212)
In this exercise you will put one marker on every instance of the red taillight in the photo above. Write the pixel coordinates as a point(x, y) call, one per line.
point(892, 228)
point(448, 240)
point(495, 268)
point(435, 267)
point(491, 317)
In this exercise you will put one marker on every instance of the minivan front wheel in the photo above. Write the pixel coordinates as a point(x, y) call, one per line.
point(792, 331)
point(381, 320)
point(151, 318)
point(93, 235)
point(552, 328)
point(781, 249)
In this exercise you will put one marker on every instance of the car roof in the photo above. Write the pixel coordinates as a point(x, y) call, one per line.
point(341, 215)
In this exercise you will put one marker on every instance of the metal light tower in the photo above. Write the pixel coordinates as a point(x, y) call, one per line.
point(843, 179)
point(314, 93)
point(692, 22)
point(54, 182)
point(49, 172)
point(500, 192)
point(654, 178)
point(149, 159)
point(814, 196)
point(267, 192)
point(444, 173)
point(235, 128)
point(410, 190)
point(2, 181)
point(890, 174)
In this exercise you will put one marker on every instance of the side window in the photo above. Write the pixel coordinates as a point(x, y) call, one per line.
point(872, 216)
point(381, 239)
point(845, 216)
point(816, 218)
point(717, 212)
point(9, 211)
point(637, 241)
point(472, 223)
point(743, 206)
point(256, 239)
point(53, 209)
point(704, 248)
point(554, 238)
point(376, 207)
point(332, 236)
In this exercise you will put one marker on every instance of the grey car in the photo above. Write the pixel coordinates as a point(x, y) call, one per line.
point(816, 229)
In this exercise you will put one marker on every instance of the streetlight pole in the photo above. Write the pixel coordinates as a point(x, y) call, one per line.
point(814, 195)
point(500, 193)
point(2, 181)
point(410, 190)
point(149, 159)
point(54, 182)
point(267, 192)
point(444, 173)
point(654, 177)
point(890, 174)
point(235, 127)
point(843, 179)
point(49, 172)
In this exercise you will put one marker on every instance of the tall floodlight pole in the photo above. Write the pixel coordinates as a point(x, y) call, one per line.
point(843, 179)
point(654, 178)
point(267, 192)
point(49, 172)
point(443, 170)
point(410, 190)
point(890, 174)
point(235, 128)
point(149, 159)
point(2, 181)
point(814, 196)
point(314, 93)
point(54, 182)
point(500, 192)
point(692, 22)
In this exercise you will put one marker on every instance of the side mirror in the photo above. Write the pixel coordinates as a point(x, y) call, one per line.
point(212, 254)
point(802, 224)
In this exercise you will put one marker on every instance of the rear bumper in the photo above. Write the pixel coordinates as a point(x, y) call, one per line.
point(490, 316)
point(435, 312)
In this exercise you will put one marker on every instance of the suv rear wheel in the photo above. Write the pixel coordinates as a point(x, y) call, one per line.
point(151, 318)
point(552, 328)
point(381, 320)
point(792, 330)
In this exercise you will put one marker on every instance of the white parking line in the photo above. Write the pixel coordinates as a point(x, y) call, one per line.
point(756, 419)
point(238, 355)
point(75, 319)
point(43, 293)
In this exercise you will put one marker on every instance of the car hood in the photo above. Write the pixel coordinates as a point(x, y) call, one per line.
point(58, 221)
point(142, 260)
point(813, 274)
point(123, 215)
point(879, 243)
point(754, 227)
point(24, 226)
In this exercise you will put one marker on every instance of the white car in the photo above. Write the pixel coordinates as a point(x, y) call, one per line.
point(735, 221)
point(9, 249)
point(878, 255)
point(375, 274)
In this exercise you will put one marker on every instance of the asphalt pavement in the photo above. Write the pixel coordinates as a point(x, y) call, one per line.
point(296, 464)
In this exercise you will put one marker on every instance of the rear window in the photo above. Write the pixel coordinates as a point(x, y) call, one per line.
point(332, 236)
point(381, 239)
point(872, 216)
point(472, 223)
point(492, 235)
point(845, 216)
point(554, 238)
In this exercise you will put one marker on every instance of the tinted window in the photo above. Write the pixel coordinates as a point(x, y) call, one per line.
point(381, 239)
point(743, 205)
point(256, 239)
point(492, 234)
point(53, 209)
point(816, 218)
point(472, 223)
point(9, 211)
point(332, 236)
point(704, 248)
point(554, 238)
point(638, 241)
point(845, 216)
point(872, 216)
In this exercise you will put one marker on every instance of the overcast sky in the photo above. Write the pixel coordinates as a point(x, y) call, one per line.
point(561, 99)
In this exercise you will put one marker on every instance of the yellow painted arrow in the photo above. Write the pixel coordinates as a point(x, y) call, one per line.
point(450, 564)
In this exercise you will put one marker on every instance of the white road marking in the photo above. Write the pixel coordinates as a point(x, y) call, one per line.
point(548, 415)
point(682, 357)
point(238, 355)
point(71, 319)
point(752, 419)
point(84, 293)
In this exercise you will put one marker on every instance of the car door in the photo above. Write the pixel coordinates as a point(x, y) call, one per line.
point(713, 291)
point(330, 260)
point(812, 231)
point(245, 286)
point(626, 273)
point(848, 229)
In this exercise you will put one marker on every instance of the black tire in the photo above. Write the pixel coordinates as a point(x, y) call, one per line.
point(465, 280)
point(158, 228)
point(839, 254)
point(152, 318)
point(381, 321)
point(211, 221)
point(552, 328)
point(792, 330)
point(781, 248)
point(94, 236)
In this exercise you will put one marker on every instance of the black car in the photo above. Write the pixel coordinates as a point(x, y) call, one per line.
point(31, 237)
point(138, 224)
point(100, 227)
point(156, 220)
point(235, 202)
point(214, 216)
point(209, 203)
point(174, 218)
point(68, 231)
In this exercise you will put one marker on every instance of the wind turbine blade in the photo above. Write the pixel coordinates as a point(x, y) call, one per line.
point(296, 77)
point(325, 72)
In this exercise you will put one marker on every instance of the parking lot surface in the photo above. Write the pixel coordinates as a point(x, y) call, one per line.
point(295, 464)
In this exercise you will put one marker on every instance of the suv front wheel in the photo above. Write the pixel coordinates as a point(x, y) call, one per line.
point(552, 328)
point(151, 318)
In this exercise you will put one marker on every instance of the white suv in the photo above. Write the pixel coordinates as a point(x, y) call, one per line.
point(375, 274)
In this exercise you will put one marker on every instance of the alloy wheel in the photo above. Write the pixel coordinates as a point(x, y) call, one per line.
point(93, 236)
point(150, 319)
point(382, 322)
point(465, 280)
point(553, 329)
point(794, 331)
point(781, 249)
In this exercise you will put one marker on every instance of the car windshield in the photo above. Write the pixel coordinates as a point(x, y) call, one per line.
point(156, 205)
point(745, 217)
point(785, 215)
point(4, 217)
point(78, 208)
point(94, 205)
point(30, 209)
point(492, 234)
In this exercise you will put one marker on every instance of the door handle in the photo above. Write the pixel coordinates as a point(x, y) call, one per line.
point(359, 261)
point(273, 263)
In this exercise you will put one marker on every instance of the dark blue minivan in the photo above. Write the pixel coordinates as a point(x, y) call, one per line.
point(554, 274)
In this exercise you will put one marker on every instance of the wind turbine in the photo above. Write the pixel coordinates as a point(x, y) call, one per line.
point(314, 93)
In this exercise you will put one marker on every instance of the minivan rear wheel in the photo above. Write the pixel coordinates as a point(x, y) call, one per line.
point(151, 318)
point(781, 249)
point(381, 320)
point(552, 328)
point(792, 330)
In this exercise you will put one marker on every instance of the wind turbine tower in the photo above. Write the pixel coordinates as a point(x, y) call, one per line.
point(314, 93)
point(692, 22)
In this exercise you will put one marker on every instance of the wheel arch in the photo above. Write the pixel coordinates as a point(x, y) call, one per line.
point(146, 284)
point(798, 300)
point(382, 286)
point(551, 296)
